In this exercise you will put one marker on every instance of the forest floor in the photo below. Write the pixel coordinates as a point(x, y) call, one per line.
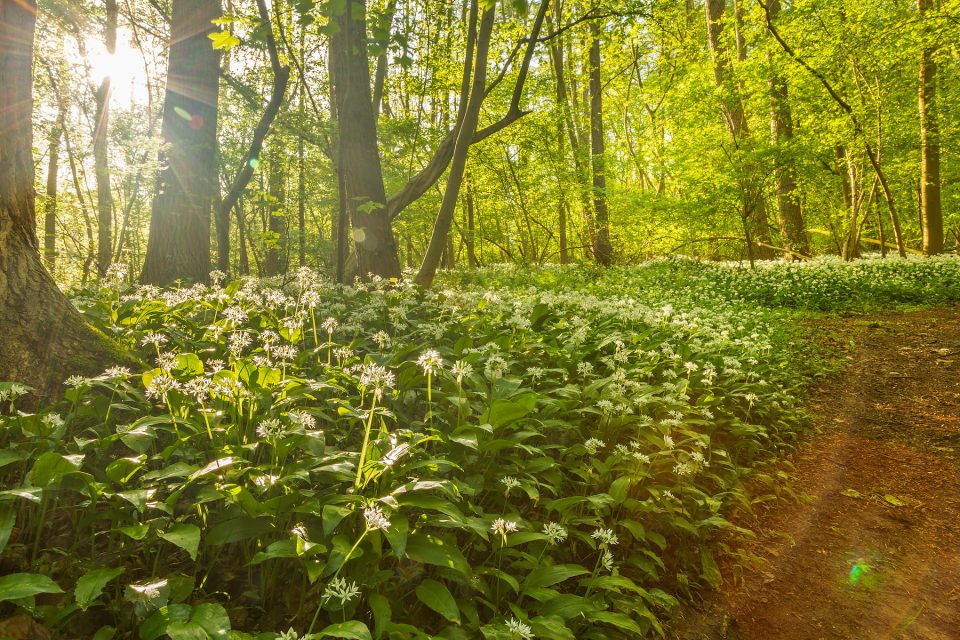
point(872, 548)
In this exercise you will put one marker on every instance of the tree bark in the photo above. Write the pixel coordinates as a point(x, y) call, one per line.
point(441, 227)
point(359, 158)
point(276, 261)
point(44, 337)
point(101, 143)
point(931, 208)
point(602, 251)
point(50, 202)
point(754, 208)
point(179, 243)
point(792, 226)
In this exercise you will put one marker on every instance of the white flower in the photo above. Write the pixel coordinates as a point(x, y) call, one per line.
point(556, 532)
point(683, 469)
point(303, 419)
point(52, 420)
point(329, 325)
point(496, 367)
point(382, 338)
point(584, 368)
point(376, 378)
point(605, 536)
point(430, 361)
point(461, 370)
point(72, 381)
point(117, 372)
point(503, 527)
point(519, 630)
point(510, 482)
point(607, 560)
point(160, 386)
point(593, 445)
point(342, 590)
point(668, 442)
point(289, 634)
point(536, 373)
point(154, 338)
point(375, 518)
point(270, 428)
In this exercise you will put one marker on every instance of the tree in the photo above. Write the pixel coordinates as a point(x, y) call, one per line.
point(931, 208)
point(602, 251)
point(179, 242)
point(781, 130)
point(101, 138)
point(44, 337)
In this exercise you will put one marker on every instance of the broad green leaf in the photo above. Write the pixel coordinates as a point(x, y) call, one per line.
point(8, 517)
point(156, 625)
point(549, 576)
point(432, 550)
point(185, 536)
point(436, 596)
point(91, 584)
point(213, 619)
point(49, 468)
point(23, 585)
point(350, 630)
point(243, 528)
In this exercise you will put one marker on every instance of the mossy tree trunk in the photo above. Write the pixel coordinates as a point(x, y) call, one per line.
point(44, 337)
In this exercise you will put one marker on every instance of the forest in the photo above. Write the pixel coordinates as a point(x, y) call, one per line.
point(500, 319)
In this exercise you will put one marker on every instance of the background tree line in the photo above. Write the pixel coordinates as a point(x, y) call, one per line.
point(360, 137)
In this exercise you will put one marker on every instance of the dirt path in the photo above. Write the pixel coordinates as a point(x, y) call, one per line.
point(874, 550)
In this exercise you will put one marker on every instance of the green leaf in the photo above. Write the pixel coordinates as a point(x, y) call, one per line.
point(709, 569)
point(432, 550)
point(380, 607)
point(8, 517)
point(49, 468)
point(238, 529)
point(213, 619)
point(178, 630)
point(156, 625)
point(185, 536)
point(91, 584)
point(619, 620)
point(436, 596)
point(223, 40)
point(351, 630)
point(503, 412)
point(23, 585)
point(549, 576)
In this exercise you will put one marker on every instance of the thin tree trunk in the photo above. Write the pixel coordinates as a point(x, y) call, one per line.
point(101, 139)
point(276, 260)
point(602, 251)
point(281, 78)
point(179, 242)
point(50, 204)
point(441, 227)
point(792, 226)
point(383, 62)
point(931, 208)
point(471, 235)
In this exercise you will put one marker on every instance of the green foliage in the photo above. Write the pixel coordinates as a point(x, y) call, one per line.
point(518, 454)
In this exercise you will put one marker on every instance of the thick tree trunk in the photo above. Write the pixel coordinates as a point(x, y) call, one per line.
point(44, 338)
point(602, 251)
point(101, 143)
point(179, 243)
point(359, 160)
point(931, 208)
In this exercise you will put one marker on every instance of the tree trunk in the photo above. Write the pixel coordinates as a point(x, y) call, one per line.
point(471, 236)
point(602, 251)
point(359, 160)
point(50, 203)
point(754, 208)
point(441, 227)
point(179, 243)
point(44, 338)
point(101, 142)
point(792, 227)
point(276, 261)
point(931, 209)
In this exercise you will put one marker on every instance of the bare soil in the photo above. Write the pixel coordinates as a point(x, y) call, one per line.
point(872, 549)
